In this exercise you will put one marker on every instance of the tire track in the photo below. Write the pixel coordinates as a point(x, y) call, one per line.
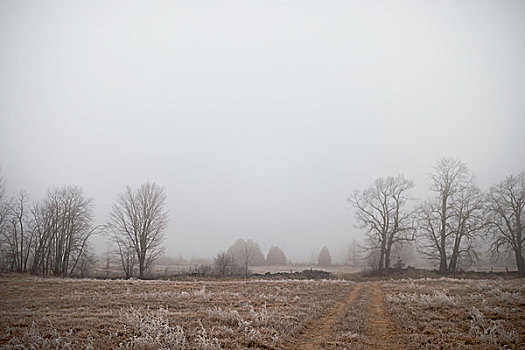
point(319, 330)
point(382, 331)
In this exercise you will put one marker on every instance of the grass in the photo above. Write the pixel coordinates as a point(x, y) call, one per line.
point(49, 313)
point(132, 314)
point(487, 314)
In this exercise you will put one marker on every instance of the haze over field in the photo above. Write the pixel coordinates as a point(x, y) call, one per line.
point(258, 118)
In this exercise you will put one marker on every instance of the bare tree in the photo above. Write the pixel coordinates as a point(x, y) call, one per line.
point(466, 225)
point(4, 211)
point(223, 263)
point(62, 226)
point(137, 221)
point(353, 254)
point(86, 263)
point(246, 253)
point(127, 255)
point(380, 209)
point(18, 235)
point(44, 221)
point(506, 217)
point(450, 221)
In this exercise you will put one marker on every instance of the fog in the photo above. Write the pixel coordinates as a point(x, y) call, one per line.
point(259, 118)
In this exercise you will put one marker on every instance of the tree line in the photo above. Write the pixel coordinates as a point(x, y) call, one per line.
point(242, 254)
point(50, 237)
point(451, 226)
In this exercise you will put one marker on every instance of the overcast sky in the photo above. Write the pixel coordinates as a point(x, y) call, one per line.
point(259, 118)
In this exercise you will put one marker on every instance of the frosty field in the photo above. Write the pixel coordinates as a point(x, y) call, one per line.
point(403, 314)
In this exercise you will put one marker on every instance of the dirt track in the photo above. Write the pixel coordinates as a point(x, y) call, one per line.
point(320, 334)
point(381, 327)
point(317, 332)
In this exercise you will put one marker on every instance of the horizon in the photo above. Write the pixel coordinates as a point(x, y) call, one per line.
point(258, 119)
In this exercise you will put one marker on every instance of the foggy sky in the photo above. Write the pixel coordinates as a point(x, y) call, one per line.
point(259, 118)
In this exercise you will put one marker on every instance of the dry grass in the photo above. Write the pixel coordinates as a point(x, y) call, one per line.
point(92, 314)
point(475, 314)
point(51, 313)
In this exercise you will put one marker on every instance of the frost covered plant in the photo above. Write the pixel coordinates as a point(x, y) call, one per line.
point(273, 297)
point(259, 317)
point(230, 317)
point(202, 293)
point(33, 338)
point(151, 330)
point(436, 298)
point(507, 297)
point(489, 330)
point(205, 342)
point(253, 335)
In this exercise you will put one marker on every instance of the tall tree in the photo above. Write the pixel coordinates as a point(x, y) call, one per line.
point(126, 253)
point(62, 225)
point(138, 220)
point(506, 217)
point(450, 222)
point(380, 210)
point(467, 223)
point(18, 234)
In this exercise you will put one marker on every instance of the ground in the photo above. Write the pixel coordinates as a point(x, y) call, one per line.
point(329, 314)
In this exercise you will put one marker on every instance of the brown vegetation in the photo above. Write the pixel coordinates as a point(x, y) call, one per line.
point(261, 314)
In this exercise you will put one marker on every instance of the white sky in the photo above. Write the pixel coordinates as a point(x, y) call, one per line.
point(258, 117)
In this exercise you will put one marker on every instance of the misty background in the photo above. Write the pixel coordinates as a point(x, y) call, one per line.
point(259, 118)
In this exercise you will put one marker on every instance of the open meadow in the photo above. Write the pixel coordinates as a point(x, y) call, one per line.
point(53, 313)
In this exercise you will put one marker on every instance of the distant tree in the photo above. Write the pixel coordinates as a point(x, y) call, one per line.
point(324, 259)
point(86, 263)
point(137, 222)
point(506, 218)
point(223, 264)
point(380, 210)
point(399, 264)
point(275, 256)
point(353, 254)
point(246, 253)
point(450, 222)
point(107, 260)
point(62, 225)
point(406, 252)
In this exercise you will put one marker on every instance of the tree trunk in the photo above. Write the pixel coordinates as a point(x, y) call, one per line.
point(452, 266)
point(381, 266)
point(387, 256)
point(141, 269)
point(520, 261)
point(443, 262)
point(443, 235)
point(519, 249)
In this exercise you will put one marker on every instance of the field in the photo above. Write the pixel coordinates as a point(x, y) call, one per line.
point(328, 314)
